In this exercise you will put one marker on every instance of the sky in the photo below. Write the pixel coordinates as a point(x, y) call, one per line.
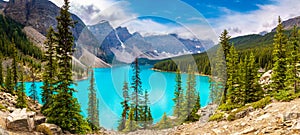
point(202, 19)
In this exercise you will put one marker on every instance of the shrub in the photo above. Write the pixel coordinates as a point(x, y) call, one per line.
point(261, 103)
point(228, 107)
point(44, 129)
point(231, 117)
point(216, 117)
point(284, 96)
point(2, 107)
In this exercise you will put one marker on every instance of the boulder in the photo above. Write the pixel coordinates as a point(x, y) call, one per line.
point(20, 120)
point(265, 79)
point(3, 132)
point(243, 113)
point(39, 120)
point(47, 128)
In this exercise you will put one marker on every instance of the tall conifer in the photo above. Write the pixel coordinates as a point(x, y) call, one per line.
point(178, 96)
point(279, 59)
point(293, 67)
point(65, 109)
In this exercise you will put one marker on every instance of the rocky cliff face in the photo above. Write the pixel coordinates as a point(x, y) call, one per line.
point(40, 14)
point(290, 23)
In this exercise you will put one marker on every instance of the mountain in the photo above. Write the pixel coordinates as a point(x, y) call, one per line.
point(260, 45)
point(40, 14)
point(290, 23)
point(120, 45)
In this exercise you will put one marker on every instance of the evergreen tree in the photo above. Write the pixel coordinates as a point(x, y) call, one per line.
point(179, 96)
point(65, 109)
point(224, 42)
point(279, 59)
point(131, 124)
point(226, 45)
point(21, 100)
point(215, 88)
point(164, 122)
point(193, 115)
point(146, 115)
point(8, 81)
point(125, 105)
point(1, 74)
point(92, 103)
point(149, 117)
point(292, 78)
point(220, 75)
point(33, 91)
point(136, 85)
point(190, 96)
point(242, 82)
point(254, 91)
point(232, 59)
point(50, 73)
point(14, 67)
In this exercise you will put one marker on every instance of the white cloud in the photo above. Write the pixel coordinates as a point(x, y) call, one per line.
point(147, 27)
point(93, 11)
point(263, 19)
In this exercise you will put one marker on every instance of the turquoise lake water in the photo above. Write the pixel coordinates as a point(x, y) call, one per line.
point(109, 83)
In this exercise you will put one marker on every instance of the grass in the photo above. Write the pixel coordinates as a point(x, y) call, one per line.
point(216, 117)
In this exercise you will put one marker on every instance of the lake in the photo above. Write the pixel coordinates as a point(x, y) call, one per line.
point(109, 83)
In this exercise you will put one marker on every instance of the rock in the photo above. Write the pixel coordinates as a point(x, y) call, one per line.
point(291, 116)
point(248, 130)
point(296, 126)
point(47, 128)
point(40, 14)
point(262, 117)
point(20, 120)
point(39, 120)
point(3, 132)
point(265, 79)
point(243, 113)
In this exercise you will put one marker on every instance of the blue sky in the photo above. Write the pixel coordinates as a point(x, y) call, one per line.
point(204, 19)
point(213, 8)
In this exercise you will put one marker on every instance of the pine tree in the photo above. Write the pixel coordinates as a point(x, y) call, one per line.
point(14, 66)
point(279, 59)
point(1, 74)
point(50, 73)
point(254, 91)
point(149, 117)
point(136, 85)
point(220, 75)
point(215, 88)
point(194, 116)
point(242, 82)
point(92, 103)
point(146, 115)
point(164, 122)
point(125, 105)
point(226, 45)
point(231, 83)
point(8, 81)
point(292, 78)
point(224, 42)
point(65, 109)
point(21, 100)
point(131, 124)
point(190, 96)
point(33, 91)
point(179, 96)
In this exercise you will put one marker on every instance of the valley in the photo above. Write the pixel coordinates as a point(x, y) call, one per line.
point(67, 68)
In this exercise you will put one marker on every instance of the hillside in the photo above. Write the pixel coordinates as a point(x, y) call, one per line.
point(260, 44)
point(11, 33)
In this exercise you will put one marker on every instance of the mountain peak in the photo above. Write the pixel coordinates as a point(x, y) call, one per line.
point(40, 14)
point(290, 23)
